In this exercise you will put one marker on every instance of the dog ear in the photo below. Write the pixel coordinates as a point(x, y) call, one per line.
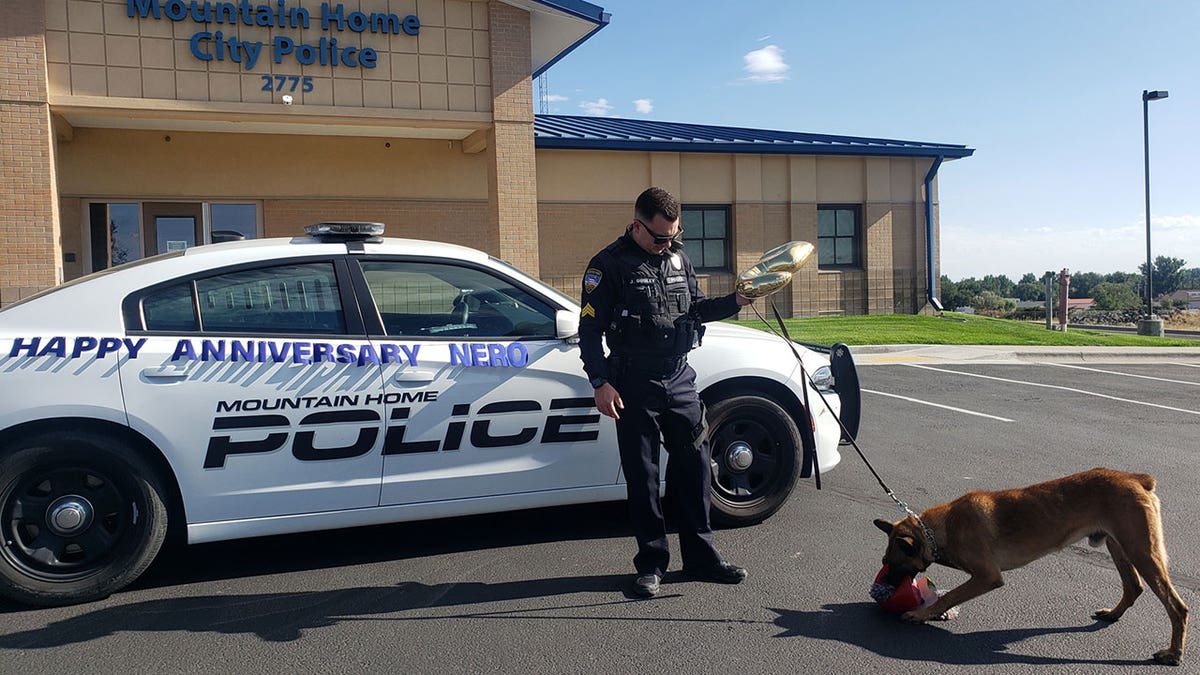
point(883, 525)
point(908, 546)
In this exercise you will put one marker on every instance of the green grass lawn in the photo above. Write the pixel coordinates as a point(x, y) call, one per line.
point(951, 329)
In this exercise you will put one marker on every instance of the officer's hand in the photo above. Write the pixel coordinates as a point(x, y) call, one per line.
point(608, 401)
point(742, 300)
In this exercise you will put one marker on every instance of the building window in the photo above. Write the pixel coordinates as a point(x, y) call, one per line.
point(233, 222)
point(839, 238)
point(122, 232)
point(706, 236)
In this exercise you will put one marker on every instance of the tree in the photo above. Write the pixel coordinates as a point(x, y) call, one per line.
point(952, 295)
point(1190, 279)
point(1083, 283)
point(969, 288)
point(1167, 275)
point(1114, 296)
point(1029, 288)
point(991, 301)
point(999, 284)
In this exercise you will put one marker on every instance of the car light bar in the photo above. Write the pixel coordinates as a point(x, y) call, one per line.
point(344, 230)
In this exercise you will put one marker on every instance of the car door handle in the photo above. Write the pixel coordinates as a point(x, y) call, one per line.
point(165, 372)
point(415, 375)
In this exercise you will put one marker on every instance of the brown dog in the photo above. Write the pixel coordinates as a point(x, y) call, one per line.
point(984, 533)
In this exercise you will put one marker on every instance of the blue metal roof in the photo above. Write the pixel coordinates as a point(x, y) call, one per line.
point(608, 133)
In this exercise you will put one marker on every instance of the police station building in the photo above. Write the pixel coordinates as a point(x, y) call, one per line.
point(130, 128)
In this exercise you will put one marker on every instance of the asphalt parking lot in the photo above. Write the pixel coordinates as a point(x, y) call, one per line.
point(542, 591)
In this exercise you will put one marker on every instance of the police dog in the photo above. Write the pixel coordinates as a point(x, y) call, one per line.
point(984, 533)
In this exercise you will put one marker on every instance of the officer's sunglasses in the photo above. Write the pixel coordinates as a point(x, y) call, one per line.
point(659, 239)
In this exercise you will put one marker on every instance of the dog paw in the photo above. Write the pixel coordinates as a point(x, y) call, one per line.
point(915, 616)
point(1106, 615)
point(948, 615)
point(1167, 657)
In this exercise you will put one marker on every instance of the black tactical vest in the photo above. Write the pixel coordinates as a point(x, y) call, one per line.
point(652, 316)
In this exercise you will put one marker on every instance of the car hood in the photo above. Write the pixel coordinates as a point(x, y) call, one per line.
point(756, 346)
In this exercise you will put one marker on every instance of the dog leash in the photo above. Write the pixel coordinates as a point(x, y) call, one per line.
point(901, 506)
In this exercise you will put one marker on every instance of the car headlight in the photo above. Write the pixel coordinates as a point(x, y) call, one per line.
point(822, 379)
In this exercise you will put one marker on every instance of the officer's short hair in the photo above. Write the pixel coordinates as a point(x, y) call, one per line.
point(656, 201)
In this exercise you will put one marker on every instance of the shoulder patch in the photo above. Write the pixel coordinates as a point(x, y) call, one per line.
point(591, 279)
point(587, 310)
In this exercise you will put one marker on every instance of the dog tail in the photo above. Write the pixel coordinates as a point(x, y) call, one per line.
point(1095, 539)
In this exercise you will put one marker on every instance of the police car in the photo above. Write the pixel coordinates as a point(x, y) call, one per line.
point(335, 380)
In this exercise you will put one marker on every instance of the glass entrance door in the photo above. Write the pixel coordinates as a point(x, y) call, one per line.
point(171, 226)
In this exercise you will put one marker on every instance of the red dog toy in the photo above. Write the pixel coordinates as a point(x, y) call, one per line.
point(912, 593)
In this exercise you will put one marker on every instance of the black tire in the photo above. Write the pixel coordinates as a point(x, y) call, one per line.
point(110, 521)
point(748, 494)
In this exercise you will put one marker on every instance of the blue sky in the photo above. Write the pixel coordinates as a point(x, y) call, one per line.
point(1047, 93)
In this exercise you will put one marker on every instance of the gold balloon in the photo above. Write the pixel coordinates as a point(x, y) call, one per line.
point(762, 284)
point(789, 257)
point(774, 269)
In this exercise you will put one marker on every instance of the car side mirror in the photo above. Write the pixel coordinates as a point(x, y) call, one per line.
point(566, 324)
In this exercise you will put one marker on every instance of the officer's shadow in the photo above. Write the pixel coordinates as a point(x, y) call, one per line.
point(863, 624)
point(283, 617)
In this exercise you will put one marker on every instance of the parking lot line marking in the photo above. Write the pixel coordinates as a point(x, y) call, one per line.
point(938, 405)
point(1189, 365)
point(1055, 386)
point(1113, 372)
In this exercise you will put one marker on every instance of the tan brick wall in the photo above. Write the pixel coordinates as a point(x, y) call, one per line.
point(908, 258)
point(512, 228)
point(29, 247)
point(877, 258)
point(96, 49)
point(452, 221)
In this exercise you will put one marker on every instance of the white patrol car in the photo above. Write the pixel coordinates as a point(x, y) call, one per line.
point(334, 380)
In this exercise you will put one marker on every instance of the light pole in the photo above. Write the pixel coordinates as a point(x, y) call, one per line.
point(1149, 325)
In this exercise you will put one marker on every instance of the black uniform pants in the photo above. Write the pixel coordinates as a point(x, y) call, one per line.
point(671, 405)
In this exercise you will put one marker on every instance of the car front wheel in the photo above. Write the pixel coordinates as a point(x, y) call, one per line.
point(756, 450)
point(81, 516)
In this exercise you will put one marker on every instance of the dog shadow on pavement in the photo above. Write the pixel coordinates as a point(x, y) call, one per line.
point(864, 625)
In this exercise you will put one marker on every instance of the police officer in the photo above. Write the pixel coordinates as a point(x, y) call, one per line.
point(640, 293)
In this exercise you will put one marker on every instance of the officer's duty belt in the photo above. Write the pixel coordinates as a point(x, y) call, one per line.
point(654, 366)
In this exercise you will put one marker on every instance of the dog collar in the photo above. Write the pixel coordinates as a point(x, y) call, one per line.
point(933, 548)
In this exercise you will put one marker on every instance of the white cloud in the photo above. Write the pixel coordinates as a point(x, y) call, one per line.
point(763, 38)
point(598, 107)
point(644, 105)
point(766, 65)
point(556, 98)
point(1174, 222)
point(969, 251)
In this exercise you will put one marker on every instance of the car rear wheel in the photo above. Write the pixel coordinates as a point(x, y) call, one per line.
point(756, 450)
point(81, 516)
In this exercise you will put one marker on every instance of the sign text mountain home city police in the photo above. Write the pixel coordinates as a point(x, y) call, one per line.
point(209, 45)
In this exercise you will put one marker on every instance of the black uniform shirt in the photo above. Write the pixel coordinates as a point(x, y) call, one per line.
point(604, 289)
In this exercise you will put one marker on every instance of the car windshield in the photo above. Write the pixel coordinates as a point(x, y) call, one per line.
point(93, 275)
point(554, 294)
